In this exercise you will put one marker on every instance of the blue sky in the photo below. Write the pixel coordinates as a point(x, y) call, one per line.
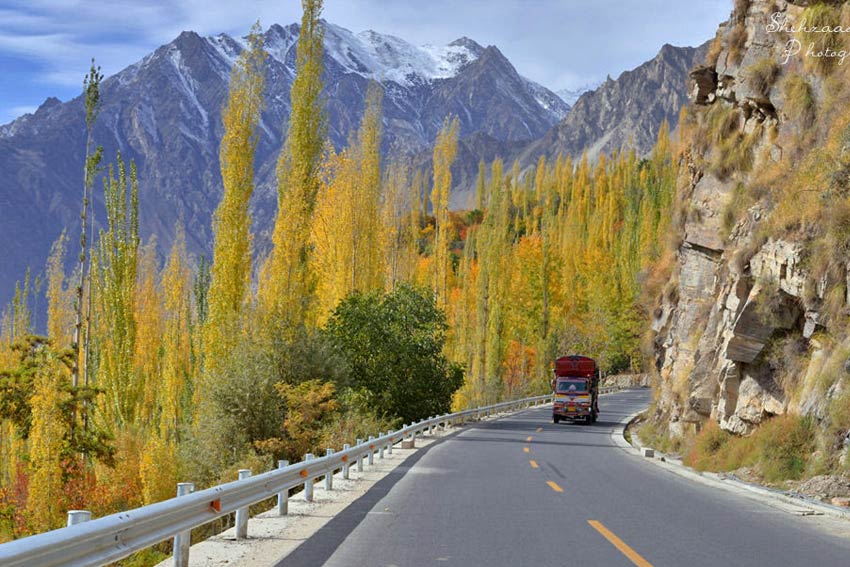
point(46, 45)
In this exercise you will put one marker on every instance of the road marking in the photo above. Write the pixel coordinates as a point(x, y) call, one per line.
point(554, 486)
point(528, 438)
point(539, 429)
point(633, 555)
point(533, 464)
point(525, 449)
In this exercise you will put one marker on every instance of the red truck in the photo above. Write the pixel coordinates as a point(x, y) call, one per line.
point(575, 388)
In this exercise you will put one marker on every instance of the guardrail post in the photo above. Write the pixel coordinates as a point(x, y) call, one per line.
point(390, 444)
point(78, 517)
point(430, 427)
point(283, 497)
point(360, 457)
point(345, 447)
point(329, 477)
point(381, 448)
point(183, 540)
point(242, 513)
point(308, 484)
point(371, 450)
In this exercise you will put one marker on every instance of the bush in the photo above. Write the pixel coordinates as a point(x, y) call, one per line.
point(784, 445)
point(394, 345)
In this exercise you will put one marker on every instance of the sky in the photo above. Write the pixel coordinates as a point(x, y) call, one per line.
point(46, 45)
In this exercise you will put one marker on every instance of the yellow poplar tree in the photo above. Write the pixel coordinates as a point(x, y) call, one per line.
point(445, 151)
point(287, 284)
point(60, 314)
point(231, 269)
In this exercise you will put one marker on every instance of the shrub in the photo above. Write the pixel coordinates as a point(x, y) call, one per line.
point(784, 445)
point(394, 345)
point(762, 75)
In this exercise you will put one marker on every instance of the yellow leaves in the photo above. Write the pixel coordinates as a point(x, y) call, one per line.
point(347, 228)
point(287, 281)
point(158, 470)
point(445, 150)
point(308, 406)
point(45, 505)
point(60, 315)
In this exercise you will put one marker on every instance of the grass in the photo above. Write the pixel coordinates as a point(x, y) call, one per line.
point(737, 42)
point(736, 154)
point(820, 15)
point(800, 102)
point(780, 449)
point(762, 75)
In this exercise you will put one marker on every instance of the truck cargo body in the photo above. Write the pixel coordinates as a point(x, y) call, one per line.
point(576, 389)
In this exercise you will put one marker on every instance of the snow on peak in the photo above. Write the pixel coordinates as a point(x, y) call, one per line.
point(385, 57)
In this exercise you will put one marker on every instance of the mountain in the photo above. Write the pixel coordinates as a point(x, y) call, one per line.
point(620, 112)
point(625, 111)
point(570, 96)
point(164, 112)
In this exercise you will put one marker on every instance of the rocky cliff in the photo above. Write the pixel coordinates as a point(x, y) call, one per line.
point(752, 322)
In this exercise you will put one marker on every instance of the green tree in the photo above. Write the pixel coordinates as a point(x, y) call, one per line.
point(394, 346)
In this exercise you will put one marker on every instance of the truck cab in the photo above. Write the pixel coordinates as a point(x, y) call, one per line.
point(575, 388)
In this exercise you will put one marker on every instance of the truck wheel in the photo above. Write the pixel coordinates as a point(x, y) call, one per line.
point(556, 418)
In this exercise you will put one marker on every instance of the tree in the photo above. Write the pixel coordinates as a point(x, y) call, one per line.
point(231, 268)
point(394, 345)
point(116, 283)
point(60, 317)
point(287, 282)
point(445, 150)
point(91, 91)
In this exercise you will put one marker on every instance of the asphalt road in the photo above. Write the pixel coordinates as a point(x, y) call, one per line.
point(522, 491)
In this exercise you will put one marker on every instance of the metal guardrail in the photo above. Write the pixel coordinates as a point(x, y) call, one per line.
point(104, 540)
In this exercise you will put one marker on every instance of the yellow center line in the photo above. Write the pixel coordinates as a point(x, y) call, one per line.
point(539, 429)
point(533, 464)
point(525, 449)
point(528, 438)
point(633, 555)
point(554, 486)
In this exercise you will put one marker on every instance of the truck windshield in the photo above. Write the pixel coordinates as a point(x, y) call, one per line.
point(572, 386)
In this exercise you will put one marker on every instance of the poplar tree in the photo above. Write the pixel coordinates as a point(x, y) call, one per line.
point(60, 316)
point(231, 268)
point(92, 103)
point(445, 150)
point(287, 284)
point(116, 272)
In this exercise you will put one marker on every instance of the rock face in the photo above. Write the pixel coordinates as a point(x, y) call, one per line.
point(735, 295)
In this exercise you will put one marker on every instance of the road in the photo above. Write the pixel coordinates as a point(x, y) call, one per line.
point(522, 491)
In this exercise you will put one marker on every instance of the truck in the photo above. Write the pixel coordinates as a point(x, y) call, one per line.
point(575, 389)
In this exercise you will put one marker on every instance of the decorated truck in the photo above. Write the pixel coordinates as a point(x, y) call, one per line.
point(575, 387)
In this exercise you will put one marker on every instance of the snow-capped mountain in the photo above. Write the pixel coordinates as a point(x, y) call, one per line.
point(164, 112)
point(570, 96)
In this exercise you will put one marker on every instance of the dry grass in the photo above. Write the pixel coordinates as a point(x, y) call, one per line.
point(780, 449)
point(799, 101)
point(737, 43)
point(820, 15)
point(762, 75)
point(714, 50)
point(735, 154)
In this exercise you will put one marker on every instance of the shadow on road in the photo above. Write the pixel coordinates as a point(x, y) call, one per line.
point(319, 547)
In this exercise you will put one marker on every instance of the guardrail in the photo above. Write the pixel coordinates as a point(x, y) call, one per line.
point(88, 542)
